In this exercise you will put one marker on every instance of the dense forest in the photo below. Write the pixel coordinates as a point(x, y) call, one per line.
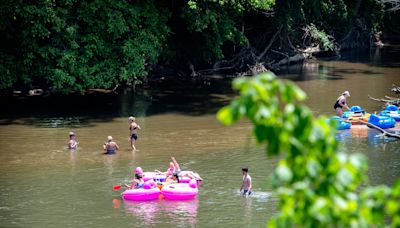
point(71, 46)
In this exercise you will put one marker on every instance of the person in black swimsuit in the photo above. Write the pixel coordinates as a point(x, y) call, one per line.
point(340, 103)
point(133, 134)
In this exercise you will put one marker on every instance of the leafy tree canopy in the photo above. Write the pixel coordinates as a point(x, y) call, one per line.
point(74, 45)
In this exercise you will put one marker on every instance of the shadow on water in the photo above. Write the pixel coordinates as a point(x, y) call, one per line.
point(57, 111)
point(74, 111)
point(320, 71)
point(379, 57)
point(193, 97)
point(317, 70)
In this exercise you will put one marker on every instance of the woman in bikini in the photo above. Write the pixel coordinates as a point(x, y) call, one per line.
point(133, 131)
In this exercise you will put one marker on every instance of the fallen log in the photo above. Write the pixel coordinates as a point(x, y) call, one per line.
point(396, 89)
point(379, 99)
point(389, 101)
point(385, 133)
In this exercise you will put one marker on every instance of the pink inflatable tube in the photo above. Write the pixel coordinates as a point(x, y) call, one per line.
point(184, 179)
point(181, 191)
point(148, 192)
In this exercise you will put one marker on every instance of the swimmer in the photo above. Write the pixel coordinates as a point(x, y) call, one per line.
point(110, 147)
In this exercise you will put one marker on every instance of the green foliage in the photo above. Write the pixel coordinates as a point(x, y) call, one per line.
point(371, 14)
point(315, 184)
point(335, 18)
point(216, 22)
point(74, 45)
point(320, 37)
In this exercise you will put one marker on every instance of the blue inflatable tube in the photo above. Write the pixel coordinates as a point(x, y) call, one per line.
point(391, 111)
point(382, 121)
point(341, 125)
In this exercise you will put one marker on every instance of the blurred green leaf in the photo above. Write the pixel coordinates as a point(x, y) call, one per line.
point(316, 185)
point(225, 116)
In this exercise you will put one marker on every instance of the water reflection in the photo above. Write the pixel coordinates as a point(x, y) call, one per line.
point(247, 203)
point(177, 213)
point(366, 135)
point(378, 139)
point(380, 56)
point(72, 160)
point(181, 213)
point(108, 163)
point(147, 212)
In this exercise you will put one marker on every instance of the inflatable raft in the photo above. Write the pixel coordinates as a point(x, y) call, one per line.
point(180, 191)
point(154, 176)
point(148, 192)
point(356, 114)
point(341, 125)
point(391, 111)
point(382, 121)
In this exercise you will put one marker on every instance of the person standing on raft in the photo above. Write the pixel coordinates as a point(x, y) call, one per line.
point(133, 131)
point(340, 103)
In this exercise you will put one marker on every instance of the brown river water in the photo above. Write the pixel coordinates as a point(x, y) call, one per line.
point(42, 184)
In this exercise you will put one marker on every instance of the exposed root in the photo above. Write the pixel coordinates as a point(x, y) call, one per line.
point(257, 68)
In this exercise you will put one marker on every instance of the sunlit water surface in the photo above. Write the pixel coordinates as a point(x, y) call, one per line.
point(42, 184)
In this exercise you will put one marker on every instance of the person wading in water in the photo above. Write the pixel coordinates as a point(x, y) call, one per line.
point(341, 103)
point(133, 131)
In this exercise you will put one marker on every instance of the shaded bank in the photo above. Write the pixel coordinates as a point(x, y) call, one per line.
point(58, 47)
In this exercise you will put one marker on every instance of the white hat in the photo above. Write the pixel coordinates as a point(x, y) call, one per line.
point(131, 118)
point(346, 93)
point(109, 138)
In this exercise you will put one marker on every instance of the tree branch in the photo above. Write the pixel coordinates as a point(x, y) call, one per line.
point(385, 133)
point(271, 41)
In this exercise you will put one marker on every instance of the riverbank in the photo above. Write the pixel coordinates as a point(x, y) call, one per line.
point(168, 76)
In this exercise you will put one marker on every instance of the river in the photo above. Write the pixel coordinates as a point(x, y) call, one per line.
point(42, 184)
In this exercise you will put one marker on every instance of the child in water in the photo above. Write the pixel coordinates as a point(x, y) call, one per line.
point(110, 146)
point(246, 184)
point(72, 143)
